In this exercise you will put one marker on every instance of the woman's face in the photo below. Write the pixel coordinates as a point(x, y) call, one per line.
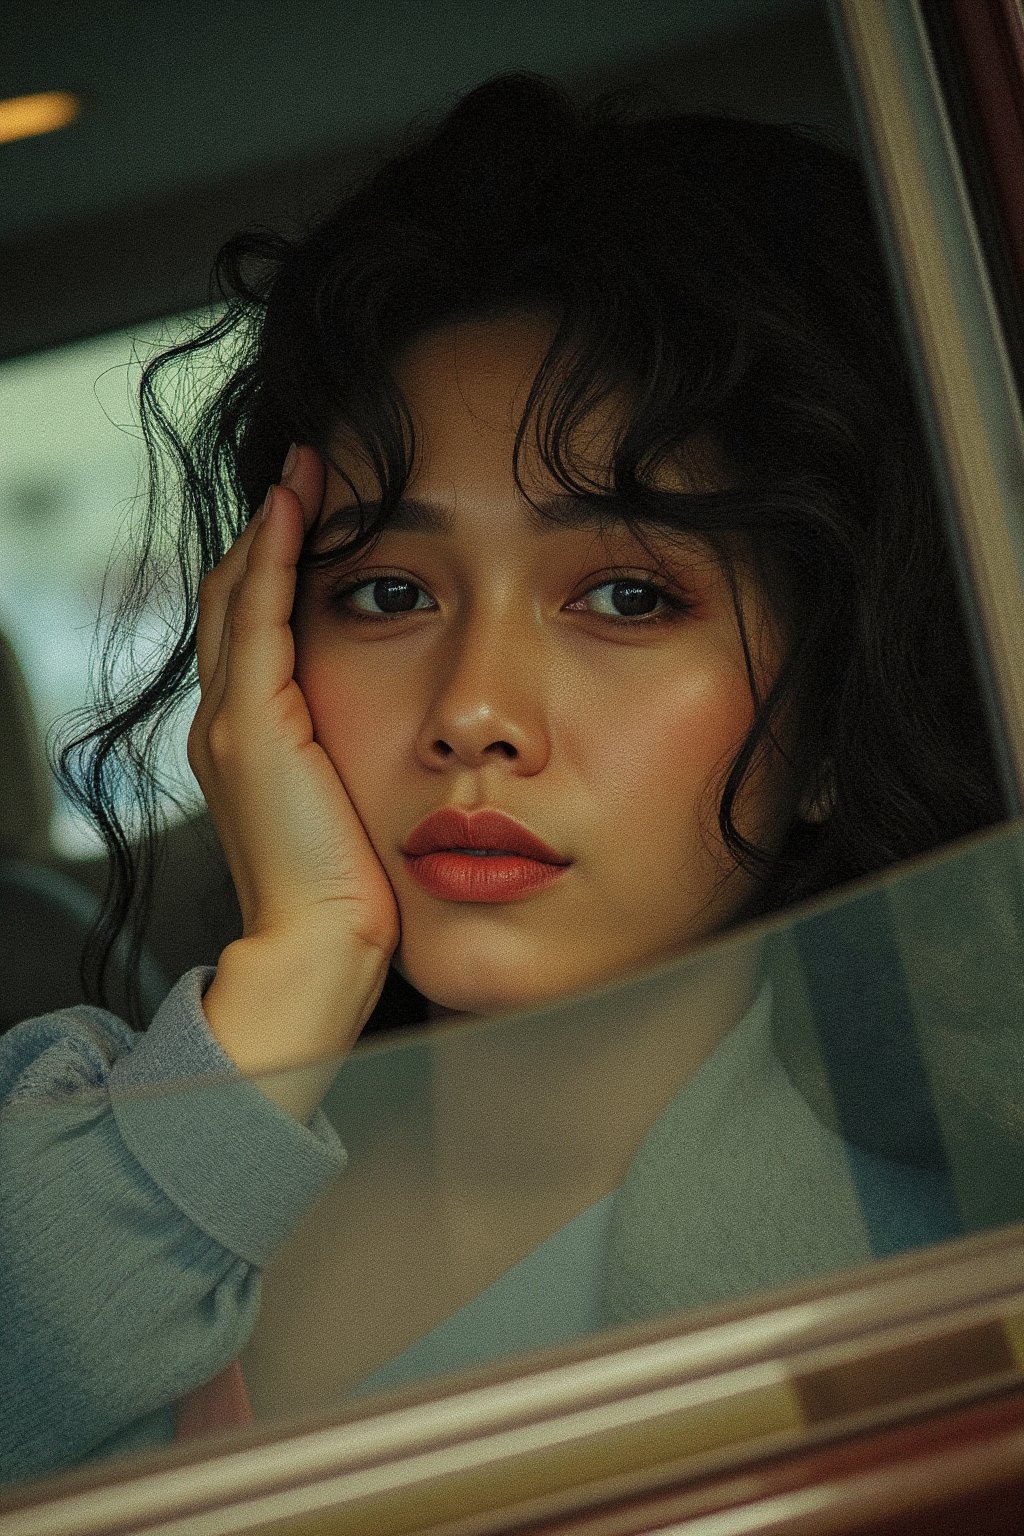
point(547, 672)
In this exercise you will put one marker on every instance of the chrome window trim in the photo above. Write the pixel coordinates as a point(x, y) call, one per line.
point(509, 1439)
point(968, 391)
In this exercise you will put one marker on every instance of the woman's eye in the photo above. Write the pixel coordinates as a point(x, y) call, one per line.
point(628, 598)
point(383, 597)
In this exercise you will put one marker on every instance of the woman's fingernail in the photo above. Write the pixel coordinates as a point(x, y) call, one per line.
point(289, 461)
point(265, 508)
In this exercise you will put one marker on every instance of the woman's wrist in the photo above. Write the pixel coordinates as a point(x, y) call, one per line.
point(286, 1000)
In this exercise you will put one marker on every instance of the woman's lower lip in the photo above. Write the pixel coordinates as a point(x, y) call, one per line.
point(489, 877)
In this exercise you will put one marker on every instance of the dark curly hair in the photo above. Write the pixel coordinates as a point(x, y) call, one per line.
point(723, 278)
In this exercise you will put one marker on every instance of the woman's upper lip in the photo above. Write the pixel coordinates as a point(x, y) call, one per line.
point(453, 828)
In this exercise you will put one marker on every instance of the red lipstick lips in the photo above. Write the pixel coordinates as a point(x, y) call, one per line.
point(479, 856)
point(454, 829)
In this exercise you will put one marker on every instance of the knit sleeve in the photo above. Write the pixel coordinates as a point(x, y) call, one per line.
point(143, 1184)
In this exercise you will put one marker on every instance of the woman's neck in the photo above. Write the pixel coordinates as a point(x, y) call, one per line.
point(569, 1092)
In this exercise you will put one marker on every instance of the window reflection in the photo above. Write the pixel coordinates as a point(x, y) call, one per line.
point(515, 1184)
point(525, 1182)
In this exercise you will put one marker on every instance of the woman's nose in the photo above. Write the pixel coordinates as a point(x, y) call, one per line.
point(487, 700)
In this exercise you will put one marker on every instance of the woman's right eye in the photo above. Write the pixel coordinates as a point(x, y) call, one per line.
point(381, 598)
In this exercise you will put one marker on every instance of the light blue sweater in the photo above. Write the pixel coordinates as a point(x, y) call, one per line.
point(135, 1220)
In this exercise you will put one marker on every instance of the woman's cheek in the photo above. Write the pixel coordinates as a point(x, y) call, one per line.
point(355, 720)
point(703, 714)
point(710, 725)
point(720, 707)
point(705, 724)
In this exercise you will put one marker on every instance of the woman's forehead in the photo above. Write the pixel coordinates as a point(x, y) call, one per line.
point(467, 387)
point(495, 382)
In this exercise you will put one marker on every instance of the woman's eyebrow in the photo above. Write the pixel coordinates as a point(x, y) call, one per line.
point(409, 515)
point(406, 516)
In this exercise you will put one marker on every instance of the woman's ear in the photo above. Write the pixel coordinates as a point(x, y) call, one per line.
point(818, 800)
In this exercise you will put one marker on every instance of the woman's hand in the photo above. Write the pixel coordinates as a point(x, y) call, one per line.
point(319, 916)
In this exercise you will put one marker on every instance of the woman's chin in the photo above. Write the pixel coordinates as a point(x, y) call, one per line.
point(471, 1002)
point(449, 995)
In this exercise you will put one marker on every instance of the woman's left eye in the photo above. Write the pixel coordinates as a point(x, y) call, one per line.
point(628, 597)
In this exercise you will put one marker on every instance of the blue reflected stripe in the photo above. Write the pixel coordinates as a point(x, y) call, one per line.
point(884, 1104)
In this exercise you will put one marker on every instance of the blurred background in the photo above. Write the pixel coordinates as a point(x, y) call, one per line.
point(190, 120)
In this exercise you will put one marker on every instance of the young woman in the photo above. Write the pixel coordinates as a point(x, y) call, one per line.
point(598, 603)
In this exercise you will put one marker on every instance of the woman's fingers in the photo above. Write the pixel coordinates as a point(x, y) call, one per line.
point(257, 656)
point(245, 647)
point(304, 474)
point(214, 596)
point(302, 477)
